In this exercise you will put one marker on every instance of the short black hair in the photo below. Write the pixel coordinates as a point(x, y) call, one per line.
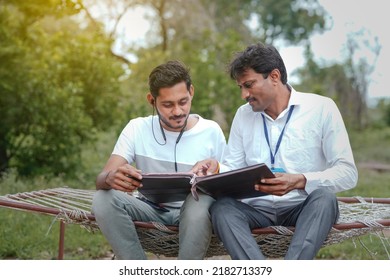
point(259, 57)
point(168, 75)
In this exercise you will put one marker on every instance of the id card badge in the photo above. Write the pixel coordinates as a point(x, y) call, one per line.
point(277, 170)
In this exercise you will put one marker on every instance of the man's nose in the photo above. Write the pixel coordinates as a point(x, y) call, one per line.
point(176, 110)
point(244, 93)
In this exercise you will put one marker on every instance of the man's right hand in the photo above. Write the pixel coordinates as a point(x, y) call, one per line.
point(125, 178)
point(206, 167)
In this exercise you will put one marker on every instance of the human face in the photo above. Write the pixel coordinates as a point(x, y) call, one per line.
point(173, 105)
point(256, 90)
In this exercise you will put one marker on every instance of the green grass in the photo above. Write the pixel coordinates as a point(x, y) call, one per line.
point(368, 146)
point(24, 235)
point(370, 246)
point(36, 236)
point(367, 247)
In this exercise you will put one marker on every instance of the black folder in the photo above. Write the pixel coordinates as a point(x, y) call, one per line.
point(239, 184)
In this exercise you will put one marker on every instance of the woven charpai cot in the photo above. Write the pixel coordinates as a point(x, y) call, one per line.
point(358, 216)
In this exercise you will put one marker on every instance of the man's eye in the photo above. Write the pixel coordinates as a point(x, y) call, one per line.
point(248, 85)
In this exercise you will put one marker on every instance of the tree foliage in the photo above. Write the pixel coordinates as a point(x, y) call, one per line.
point(329, 80)
point(61, 79)
point(58, 84)
point(347, 83)
point(205, 35)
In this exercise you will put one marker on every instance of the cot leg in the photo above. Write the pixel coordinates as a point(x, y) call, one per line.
point(61, 241)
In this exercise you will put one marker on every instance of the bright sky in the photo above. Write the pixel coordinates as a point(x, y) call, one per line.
point(351, 16)
point(348, 16)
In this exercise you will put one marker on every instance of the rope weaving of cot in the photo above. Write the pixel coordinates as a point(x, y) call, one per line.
point(358, 216)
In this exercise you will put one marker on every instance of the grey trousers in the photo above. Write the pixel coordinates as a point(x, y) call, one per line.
point(115, 212)
point(313, 219)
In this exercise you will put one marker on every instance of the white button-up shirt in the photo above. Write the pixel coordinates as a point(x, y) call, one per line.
point(315, 143)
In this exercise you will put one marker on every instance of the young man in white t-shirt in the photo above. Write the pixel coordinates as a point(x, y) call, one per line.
point(173, 140)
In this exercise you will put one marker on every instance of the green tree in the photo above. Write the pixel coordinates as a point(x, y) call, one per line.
point(359, 70)
point(383, 107)
point(205, 34)
point(60, 79)
point(58, 84)
point(347, 82)
point(332, 81)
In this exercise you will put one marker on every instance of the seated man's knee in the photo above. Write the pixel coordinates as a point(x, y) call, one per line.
point(193, 212)
point(221, 205)
point(326, 200)
point(324, 195)
point(102, 201)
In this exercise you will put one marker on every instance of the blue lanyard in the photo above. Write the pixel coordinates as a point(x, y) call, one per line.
point(280, 136)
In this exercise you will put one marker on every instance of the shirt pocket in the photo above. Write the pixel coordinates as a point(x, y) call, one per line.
point(302, 149)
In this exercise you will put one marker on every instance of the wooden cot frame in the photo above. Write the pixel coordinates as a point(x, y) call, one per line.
point(148, 230)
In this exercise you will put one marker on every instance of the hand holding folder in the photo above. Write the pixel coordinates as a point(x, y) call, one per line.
point(239, 184)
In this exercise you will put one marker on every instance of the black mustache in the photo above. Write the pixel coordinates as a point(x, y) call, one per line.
point(177, 117)
point(248, 99)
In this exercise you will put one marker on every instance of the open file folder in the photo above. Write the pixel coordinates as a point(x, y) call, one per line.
point(169, 187)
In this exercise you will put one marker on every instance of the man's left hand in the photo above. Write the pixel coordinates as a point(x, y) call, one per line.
point(282, 183)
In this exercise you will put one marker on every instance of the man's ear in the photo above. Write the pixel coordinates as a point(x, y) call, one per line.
point(192, 91)
point(275, 75)
point(150, 99)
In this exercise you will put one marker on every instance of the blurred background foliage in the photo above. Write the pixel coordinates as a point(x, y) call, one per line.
point(66, 90)
point(62, 82)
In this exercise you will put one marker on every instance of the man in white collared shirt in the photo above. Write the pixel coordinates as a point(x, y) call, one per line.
point(303, 139)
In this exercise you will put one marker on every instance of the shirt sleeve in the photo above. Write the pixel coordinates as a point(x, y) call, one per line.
point(125, 146)
point(341, 172)
point(234, 155)
point(220, 144)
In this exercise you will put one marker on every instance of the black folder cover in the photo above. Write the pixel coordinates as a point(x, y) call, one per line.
point(169, 187)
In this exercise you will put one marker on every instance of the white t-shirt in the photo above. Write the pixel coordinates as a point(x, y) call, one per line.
point(315, 144)
point(142, 142)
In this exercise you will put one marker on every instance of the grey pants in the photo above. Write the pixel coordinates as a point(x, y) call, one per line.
point(313, 219)
point(115, 212)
